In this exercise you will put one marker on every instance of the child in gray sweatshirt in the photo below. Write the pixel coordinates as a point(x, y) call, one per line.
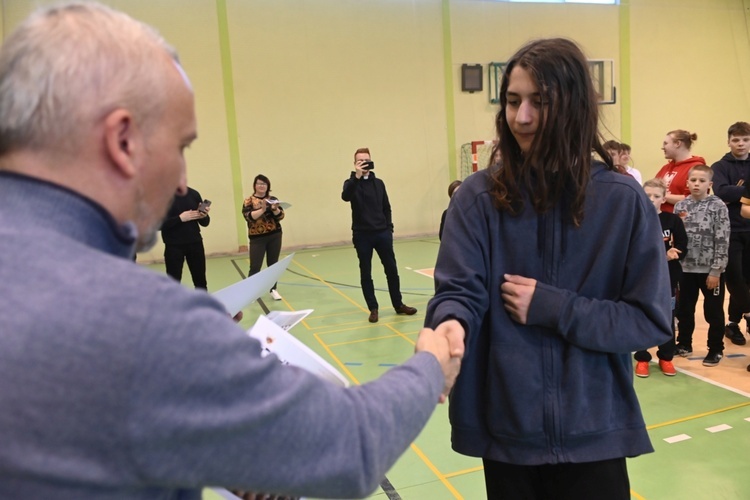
point(706, 221)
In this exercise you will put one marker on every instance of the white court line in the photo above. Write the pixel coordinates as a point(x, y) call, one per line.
point(719, 428)
point(677, 438)
point(713, 382)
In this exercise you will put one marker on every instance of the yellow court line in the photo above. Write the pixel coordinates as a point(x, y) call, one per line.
point(636, 495)
point(700, 415)
point(402, 335)
point(349, 374)
point(336, 359)
point(443, 479)
point(348, 342)
point(330, 286)
point(465, 471)
point(363, 326)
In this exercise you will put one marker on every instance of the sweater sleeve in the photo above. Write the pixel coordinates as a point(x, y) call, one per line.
point(387, 208)
point(349, 186)
point(208, 409)
point(680, 239)
point(722, 186)
point(641, 310)
point(721, 240)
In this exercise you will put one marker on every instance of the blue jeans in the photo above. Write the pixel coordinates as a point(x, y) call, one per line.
point(382, 243)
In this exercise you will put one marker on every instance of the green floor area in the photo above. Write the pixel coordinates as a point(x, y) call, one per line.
point(707, 465)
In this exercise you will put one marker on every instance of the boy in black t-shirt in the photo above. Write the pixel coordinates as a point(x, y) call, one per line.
point(675, 243)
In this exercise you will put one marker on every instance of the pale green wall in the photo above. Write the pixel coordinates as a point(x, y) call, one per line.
point(300, 84)
point(690, 64)
point(485, 31)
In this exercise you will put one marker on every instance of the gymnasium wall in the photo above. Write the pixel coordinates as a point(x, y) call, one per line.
point(290, 88)
point(690, 69)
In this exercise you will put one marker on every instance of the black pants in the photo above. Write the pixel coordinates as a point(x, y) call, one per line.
point(382, 243)
point(666, 350)
point(713, 310)
point(264, 246)
point(607, 479)
point(737, 275)
point(176, 255)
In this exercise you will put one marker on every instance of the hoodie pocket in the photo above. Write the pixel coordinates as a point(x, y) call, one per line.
point(515, 394)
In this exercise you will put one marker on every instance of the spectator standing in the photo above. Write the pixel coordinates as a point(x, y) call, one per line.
point(263, 214)
point(706, 220)
point(676, 147)
point(181, 234)
point(730, 174)
point(452, 187)
point(675, 246)
point(372, 230)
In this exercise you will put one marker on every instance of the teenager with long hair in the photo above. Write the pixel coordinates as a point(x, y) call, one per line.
point(553, 266)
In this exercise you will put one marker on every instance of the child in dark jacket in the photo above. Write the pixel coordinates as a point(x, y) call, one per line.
point(730, 174)
point(675, 243)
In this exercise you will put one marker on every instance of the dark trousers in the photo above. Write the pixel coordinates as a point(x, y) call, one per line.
point(737, 275)
point(583, 481)
point(666, 350)
point(713, 310)
point(176, 255)
point(382, 243)
point(264, 246)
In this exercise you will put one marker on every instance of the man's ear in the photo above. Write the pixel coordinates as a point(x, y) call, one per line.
point(122, 141)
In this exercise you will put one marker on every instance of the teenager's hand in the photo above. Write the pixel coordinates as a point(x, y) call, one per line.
point(517, 292)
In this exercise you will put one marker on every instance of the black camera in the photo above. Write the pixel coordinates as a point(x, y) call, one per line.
point(202, 206)
point(368, 164)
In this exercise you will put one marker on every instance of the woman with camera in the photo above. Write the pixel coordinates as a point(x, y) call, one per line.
point(263, 214)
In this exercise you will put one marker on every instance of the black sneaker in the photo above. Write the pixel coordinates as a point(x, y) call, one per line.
point(733, 333)
point(712, 358)
point(683, 351)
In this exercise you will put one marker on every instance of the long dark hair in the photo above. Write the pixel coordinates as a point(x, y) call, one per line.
point(558, 164)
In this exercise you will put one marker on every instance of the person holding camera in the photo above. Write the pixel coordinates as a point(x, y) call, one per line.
point(372, 229)
point(182, 238)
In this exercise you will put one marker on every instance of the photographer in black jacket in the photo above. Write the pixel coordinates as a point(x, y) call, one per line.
point(372, 229)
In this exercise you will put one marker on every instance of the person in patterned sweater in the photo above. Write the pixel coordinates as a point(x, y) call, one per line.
point(706, 220)
point(263, 214)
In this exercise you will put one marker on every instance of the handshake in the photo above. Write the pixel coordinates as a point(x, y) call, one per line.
point(446, 343)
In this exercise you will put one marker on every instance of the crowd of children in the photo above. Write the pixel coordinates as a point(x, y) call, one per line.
point(705, 218)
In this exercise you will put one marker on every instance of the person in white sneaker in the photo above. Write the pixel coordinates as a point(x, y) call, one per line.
point(263, 214)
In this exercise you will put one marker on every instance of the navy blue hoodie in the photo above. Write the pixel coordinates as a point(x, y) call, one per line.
point(560, 388)
point(727, 173)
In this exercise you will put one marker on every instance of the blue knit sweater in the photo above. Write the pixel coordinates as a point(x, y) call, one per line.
point(118, 383)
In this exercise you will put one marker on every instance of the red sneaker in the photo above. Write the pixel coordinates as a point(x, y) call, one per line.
point(667, 368)
point(641, 369)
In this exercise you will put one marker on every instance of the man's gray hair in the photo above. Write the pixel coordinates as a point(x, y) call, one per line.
point(67, 66)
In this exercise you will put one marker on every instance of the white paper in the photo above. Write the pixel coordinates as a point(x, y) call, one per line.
point(290, 351)
point(287, 319)
point(284, 205)
point(243, 293)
